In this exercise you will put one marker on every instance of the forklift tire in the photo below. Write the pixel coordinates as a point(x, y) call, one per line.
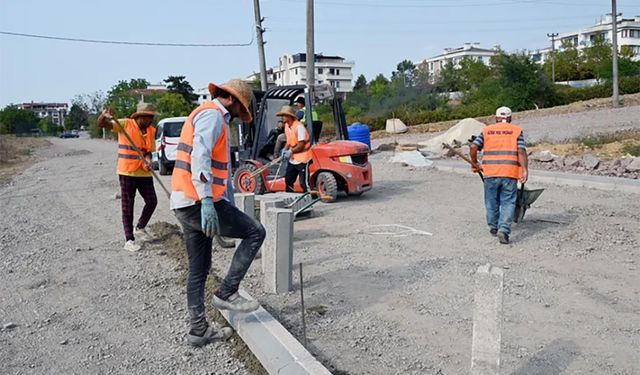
point(245, 183)
point(327, 185)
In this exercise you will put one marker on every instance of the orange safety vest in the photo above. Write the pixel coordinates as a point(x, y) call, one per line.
point(181, 179)
point(500, 150)
point(292, 140)
point(128, 159)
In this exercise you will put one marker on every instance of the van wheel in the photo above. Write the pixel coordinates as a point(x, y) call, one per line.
point(246, 183)
point(327, 185)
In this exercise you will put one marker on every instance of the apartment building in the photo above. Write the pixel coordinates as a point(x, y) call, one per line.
point(57, 112)
point(473, 51)
point(333, 70)
point(628, 37)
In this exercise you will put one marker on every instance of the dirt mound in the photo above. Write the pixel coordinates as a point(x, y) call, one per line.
point(457, 135)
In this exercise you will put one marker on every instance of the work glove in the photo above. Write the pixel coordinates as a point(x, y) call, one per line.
point(208, 217)
point(286, 154)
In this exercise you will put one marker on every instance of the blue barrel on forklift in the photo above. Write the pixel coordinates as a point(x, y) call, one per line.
point(360, 133)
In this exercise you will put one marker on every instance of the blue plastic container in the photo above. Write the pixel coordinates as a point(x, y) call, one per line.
point(360, 133)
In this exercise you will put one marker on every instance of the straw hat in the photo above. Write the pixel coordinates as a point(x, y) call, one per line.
point(145, 109)
point(240, 90)
point(287, 111)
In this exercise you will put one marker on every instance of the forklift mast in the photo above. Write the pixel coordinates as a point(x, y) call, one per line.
point(252, 136)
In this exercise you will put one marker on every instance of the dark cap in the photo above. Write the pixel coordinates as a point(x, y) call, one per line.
point(299, 100)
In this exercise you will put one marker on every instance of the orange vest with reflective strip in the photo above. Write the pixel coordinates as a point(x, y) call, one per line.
point(292, 140)
point(181, 179)
point(128, 158)
point(500, 150)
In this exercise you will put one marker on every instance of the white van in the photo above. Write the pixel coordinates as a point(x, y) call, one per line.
point(167, 138)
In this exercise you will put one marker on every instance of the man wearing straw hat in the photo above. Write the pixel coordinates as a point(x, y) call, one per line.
point(133, 172)
point(297, 150)
point(199, 198)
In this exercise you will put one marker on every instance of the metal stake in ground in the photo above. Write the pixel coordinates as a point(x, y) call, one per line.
point(304, 321)
point(136, 149)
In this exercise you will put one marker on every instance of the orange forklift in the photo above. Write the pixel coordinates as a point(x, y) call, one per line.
point(337, 165)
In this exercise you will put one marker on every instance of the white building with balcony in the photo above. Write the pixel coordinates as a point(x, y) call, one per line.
point(628, 34)
point(473, 51)
point(57, 112)
point(333, 70)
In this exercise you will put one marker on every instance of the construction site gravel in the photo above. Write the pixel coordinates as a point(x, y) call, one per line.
point(388, 278)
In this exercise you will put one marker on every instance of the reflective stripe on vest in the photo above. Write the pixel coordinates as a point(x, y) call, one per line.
point(500, 151)
point(292, 140)
point(181, 179)
point(128, 159)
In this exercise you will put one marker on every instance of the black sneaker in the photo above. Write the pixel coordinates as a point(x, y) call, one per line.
point(209, 336)
point(493, 232)
point(503, 238)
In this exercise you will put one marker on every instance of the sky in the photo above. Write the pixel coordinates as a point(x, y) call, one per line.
point(375, 34)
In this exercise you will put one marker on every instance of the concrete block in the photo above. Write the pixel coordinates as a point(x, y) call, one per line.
point(266, 203)
point(246, 203)
point(276, 349)
point(487, 321)
point(277, 255)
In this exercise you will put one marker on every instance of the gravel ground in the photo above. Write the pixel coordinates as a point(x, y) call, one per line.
point(555, 128)
point(384, 304)
point(376, 303)
point(80, 304)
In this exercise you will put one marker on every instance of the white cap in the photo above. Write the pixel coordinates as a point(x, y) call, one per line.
point(503, 112)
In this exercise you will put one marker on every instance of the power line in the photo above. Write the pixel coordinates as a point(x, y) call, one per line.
point(150, 44)
point(442, 5)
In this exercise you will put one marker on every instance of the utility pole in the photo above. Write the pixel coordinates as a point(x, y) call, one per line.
point(311, 77)
point(261, 43)
point(553, 55)
point(614, 42)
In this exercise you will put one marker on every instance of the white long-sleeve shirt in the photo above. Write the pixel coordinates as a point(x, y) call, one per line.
point(208, 126)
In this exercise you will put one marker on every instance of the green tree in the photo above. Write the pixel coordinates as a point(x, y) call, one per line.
point(14, 120)
point(173, 104)
point(78, 117)
point(48, 127)
point(379, 87)
point(597, 57)
point(179, 85)
point(361, 83)
point(449, 79)
point(404, 73)
point(422, 76)
point(472, 73)
point(120, 98)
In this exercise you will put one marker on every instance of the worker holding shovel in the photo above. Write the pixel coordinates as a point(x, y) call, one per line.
point(504, 162)
point(136, 142)
point(199, 198)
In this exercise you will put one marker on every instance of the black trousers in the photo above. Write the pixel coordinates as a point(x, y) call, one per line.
point(293, 171)
point(233, 223)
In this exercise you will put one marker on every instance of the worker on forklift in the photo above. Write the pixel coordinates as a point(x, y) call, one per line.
point(301, 114)
point(297, 150)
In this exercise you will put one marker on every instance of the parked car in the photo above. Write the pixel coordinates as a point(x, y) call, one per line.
point(167, 138)
point(69, 135)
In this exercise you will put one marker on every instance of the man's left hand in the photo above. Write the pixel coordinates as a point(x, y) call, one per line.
point(525, 177)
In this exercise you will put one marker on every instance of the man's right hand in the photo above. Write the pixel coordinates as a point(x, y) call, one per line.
point(208, 217)
point(476, 168)
point(525, 177)
point(286, 154)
